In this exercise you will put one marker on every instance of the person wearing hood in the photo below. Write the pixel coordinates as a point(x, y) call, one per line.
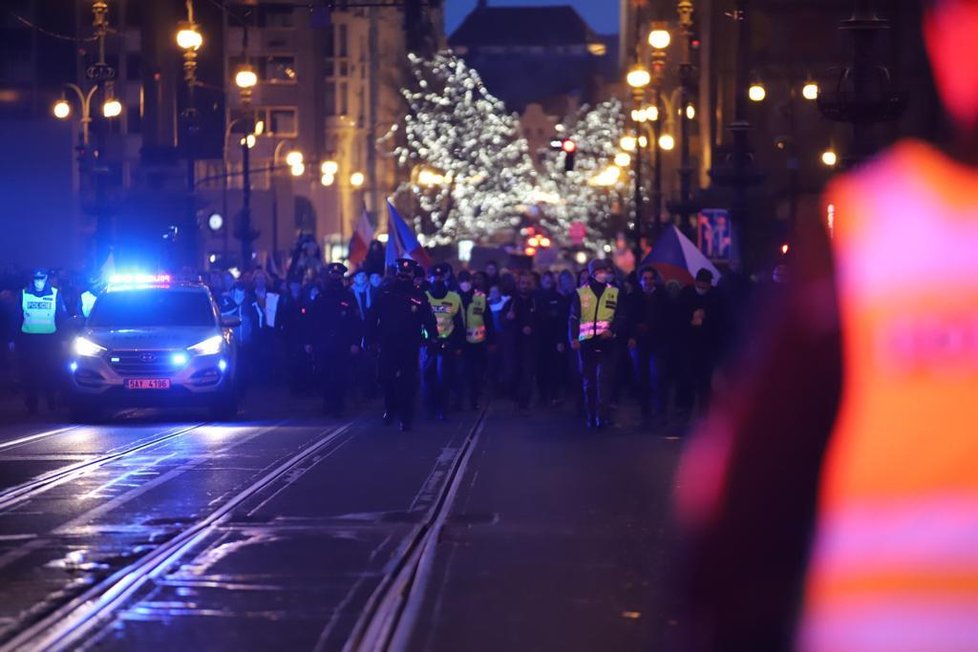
point(439, 361)
point(400, 321)
point(480, 333)
point(42, 320)
point(595, 321)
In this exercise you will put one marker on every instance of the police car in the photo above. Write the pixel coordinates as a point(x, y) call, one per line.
point(153, 341)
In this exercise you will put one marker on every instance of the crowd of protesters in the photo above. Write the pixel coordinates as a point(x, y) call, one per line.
point(670, 340)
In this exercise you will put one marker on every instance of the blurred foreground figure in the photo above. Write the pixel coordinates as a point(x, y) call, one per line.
point(830, 501)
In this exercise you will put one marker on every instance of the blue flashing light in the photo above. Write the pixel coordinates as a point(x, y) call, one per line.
point(138, 280)
point(222, 365)
point(73, 366)
point(179, 359)
point(115, 359)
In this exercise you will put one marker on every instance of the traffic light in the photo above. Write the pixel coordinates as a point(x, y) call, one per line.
point(569, 147)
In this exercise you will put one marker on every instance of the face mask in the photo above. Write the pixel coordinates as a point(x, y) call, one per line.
point(949, 31)
point(465, 286)
point(601, 277)
point(39, 285)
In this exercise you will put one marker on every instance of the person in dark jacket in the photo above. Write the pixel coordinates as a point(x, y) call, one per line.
point(648, 340)
point(595, 321)
point(701, 319)
point(399, 323)
point(336, 326)
point(552, 312)
point(521, 320)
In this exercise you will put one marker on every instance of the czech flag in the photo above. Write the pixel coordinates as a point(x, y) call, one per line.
point(360, 242)
point(401, 241)
point(677, 258)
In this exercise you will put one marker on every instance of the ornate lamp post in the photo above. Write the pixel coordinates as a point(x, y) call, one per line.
point(638, 79)
point(246, 79)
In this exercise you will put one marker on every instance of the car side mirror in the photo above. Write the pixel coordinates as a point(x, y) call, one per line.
point(230, 321)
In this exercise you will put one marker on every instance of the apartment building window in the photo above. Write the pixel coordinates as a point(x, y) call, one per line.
point(343, 50)
point(279, 120)
point(344, 99)
point(330, 99)
point(283, 122)
point(276, 16)
point(278, 70)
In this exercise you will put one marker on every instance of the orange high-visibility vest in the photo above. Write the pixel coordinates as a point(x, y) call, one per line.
point(894, 562)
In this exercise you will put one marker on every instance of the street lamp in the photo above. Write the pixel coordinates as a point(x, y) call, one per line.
point(628, 143)
point(667, 142)
point(830, 158)
point(62, 109)
point(810, 91)
point(660, 38)
point(623, 160)
point(638, 77)
point(112, 108)
point(294, 158)
point(357, 179)
point(757, 92)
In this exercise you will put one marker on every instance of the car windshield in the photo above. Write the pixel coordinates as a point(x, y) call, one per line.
point(148, 308)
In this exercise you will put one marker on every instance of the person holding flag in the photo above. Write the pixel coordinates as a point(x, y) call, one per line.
point(402, 241)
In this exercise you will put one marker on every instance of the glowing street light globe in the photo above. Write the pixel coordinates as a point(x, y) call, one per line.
point(112, 108)
point(62, 109)
point(298, 169)
point(628, 143)
point(667, 142)
point(188, 38)
point(757, 92)
point(294, 158)
point(215, 222)
point(246, 77)
point(810, 91)
point(622, 159)
point(357, 179)
point(329, 167)
point(638, 77)
point(690, 112)
point(327, 180)
point(830, 158)
point(660, 39)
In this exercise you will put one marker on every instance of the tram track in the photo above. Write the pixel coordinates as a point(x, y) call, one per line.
point(391, 612)
point(68, 626)
point(24, 491)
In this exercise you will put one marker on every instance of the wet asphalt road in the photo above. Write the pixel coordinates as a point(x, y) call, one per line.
point(283, 530)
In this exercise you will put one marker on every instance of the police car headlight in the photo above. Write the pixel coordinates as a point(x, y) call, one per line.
point(87, 348)
point(210, 346)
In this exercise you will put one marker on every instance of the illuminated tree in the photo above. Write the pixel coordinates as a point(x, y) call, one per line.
point(470, 168)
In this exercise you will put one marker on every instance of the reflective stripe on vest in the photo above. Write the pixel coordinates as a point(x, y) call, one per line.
point(475, 322)
point(445, 310)
point(596, 315)
point(894, 562)
point(40, 313)
point(88, 300)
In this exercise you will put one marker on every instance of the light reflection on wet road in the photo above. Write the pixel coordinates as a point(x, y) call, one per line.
point(313, 533)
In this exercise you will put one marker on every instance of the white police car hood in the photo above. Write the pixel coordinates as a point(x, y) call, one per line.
point(150, 338)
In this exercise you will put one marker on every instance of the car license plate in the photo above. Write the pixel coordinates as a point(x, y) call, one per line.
point(148, 383)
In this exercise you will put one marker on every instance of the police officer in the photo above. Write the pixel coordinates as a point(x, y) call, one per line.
point(438, 360)
point(479, 333)
point(400, 321)
point(39, 346)
point(337, 334)
point(594, 322)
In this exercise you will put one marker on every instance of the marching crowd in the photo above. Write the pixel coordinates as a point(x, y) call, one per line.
point(544, 339)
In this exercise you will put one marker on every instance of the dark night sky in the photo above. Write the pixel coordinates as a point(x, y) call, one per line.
point(601, 15)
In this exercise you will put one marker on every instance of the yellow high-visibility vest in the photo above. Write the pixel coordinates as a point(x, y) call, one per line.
point(40, 313)
point(596, 315)
point(445, 310)
point(475, 319)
